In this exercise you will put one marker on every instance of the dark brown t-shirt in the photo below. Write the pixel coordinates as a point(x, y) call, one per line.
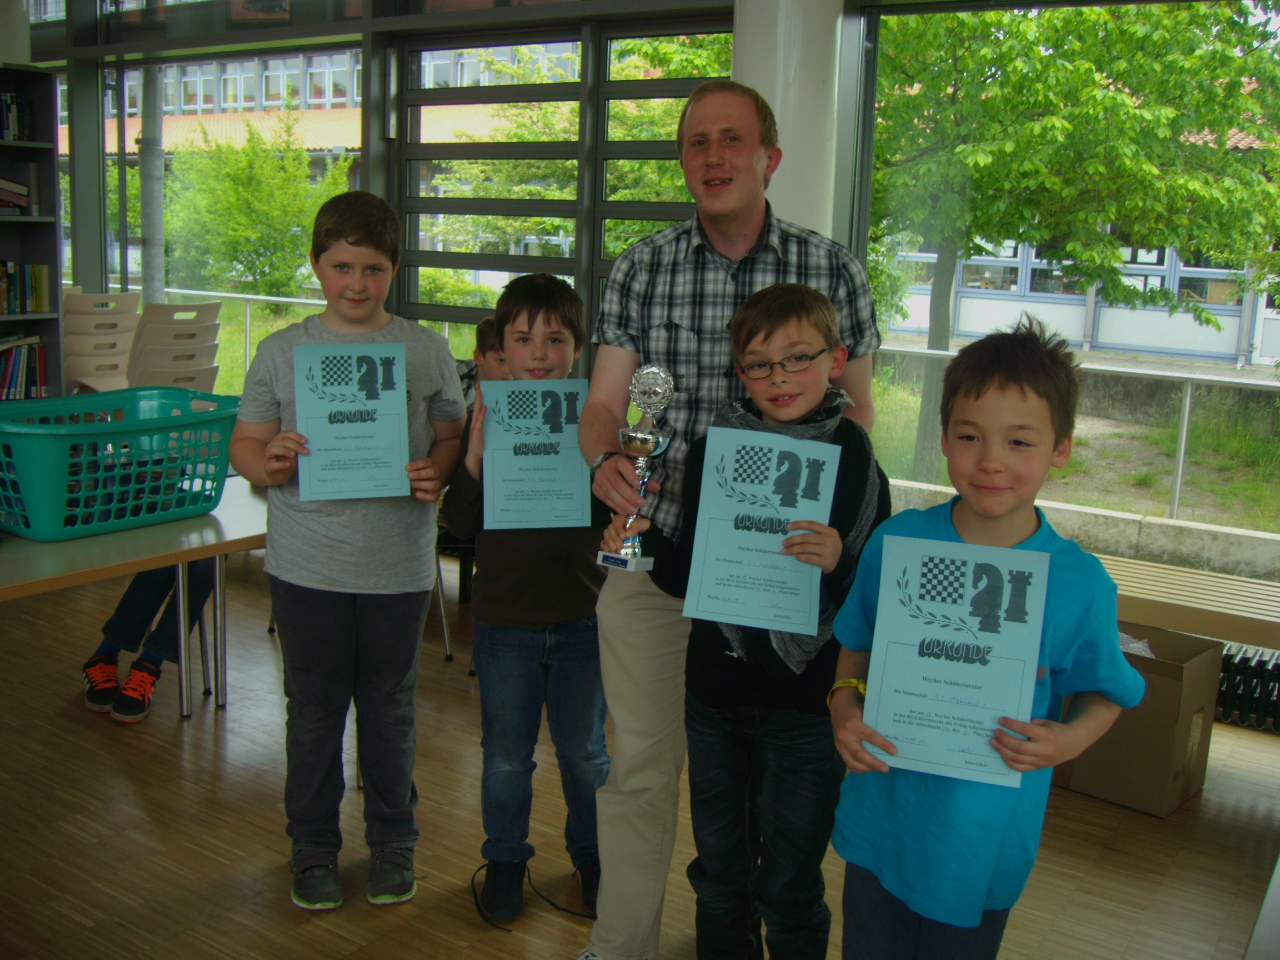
point(527, 579)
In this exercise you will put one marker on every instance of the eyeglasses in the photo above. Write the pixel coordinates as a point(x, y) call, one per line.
point(763, 368)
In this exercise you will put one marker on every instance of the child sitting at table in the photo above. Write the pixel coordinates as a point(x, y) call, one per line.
point(350, 579)
point(935, 863)
point(535, 626)
point(764, 776)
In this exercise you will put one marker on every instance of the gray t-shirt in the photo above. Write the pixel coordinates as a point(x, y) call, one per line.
point(379, 545)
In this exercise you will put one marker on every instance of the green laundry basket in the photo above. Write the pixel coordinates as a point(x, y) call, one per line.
point(100, 462)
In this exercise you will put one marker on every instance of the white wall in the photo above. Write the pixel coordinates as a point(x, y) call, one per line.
point(787, 50)
point(1155, 329)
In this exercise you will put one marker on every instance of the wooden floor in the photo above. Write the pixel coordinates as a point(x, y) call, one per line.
point(166, 839)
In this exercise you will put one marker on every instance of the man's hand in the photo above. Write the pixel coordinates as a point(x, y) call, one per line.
point(425, 482)
point(821, 546)
point(852, 734)
point(618, 531)
point(616, 483)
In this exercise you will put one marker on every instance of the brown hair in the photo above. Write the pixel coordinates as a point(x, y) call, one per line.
point(487, 340)
point(360, 218)
point(1028, 356)
point(540, 295)
point(773, 307)
point(764, 112)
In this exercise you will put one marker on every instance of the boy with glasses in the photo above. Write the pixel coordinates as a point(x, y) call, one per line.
point(764, 775)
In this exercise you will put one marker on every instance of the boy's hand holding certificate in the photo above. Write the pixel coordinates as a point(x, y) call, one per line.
point(956, 647)
point(534, 473)
point(753, 486)
point(353, 410)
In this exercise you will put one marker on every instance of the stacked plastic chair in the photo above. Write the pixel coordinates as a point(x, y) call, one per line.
point(175, 346)
point(98, 331)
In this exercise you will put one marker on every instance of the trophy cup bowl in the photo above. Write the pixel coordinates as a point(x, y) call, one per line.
point(651, 390)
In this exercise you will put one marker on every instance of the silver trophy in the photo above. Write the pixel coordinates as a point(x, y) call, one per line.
point(651, 390)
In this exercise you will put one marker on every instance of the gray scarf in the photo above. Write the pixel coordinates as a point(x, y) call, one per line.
point(797, 649)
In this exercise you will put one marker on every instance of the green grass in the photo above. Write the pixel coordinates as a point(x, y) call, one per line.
point(1240, 440)
point(1237, 442)
point(1077, 466)
point(897, 413)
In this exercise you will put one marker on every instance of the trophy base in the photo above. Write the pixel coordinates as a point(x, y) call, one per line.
point(629, 564)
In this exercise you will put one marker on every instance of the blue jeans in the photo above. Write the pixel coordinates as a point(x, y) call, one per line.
point(147, 592)
point(519, 671)
point(879, 926)
point(763, 789)
point(339, 648)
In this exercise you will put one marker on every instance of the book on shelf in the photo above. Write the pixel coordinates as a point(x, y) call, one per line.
point(24, 288)
point(14, 187)
point(23, 369)
point(13, 199)
point(15, 116)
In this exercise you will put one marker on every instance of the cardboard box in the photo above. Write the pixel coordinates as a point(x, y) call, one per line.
point(1155, 755)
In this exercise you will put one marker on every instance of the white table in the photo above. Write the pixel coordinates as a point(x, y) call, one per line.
point(30, 567)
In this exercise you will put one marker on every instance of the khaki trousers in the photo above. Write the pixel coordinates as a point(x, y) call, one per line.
point(643, 638)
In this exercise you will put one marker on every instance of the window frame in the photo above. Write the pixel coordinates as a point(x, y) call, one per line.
point(592, 92)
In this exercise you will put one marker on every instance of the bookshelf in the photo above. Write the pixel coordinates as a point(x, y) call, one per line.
point(29, 158)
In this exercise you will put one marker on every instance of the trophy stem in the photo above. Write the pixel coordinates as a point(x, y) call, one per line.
point(631, 545)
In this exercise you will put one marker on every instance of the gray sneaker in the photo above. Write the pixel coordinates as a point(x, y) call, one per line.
point(391, 878)
point(316, 884)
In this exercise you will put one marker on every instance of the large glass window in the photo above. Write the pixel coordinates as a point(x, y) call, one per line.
point(239, 191)
point(239, 85)
point(989, 124)
point(494, 162)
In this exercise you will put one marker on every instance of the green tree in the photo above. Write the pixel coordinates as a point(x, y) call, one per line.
point(1080, 131)
point(241, 215)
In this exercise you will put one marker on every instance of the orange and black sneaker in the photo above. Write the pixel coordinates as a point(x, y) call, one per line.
point(133, 702)
point(100, 683)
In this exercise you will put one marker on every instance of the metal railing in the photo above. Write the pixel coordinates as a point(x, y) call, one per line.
point(1188, 381)
point(249, 299)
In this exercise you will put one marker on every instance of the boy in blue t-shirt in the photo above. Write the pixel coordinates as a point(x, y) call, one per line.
point(933, 863)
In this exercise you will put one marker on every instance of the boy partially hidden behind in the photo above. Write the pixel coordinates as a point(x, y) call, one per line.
point(934, 864)
point(764, 776)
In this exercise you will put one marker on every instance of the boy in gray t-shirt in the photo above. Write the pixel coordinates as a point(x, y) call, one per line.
point(351, 579)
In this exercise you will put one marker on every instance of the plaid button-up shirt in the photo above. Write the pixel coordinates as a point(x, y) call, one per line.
point(671, 297)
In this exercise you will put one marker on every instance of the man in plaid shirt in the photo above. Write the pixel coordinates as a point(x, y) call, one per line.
point(669, 300)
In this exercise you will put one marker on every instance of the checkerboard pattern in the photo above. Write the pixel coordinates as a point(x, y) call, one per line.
point(752, 464)
point(942, 579)
point(335, 371)
point(522, 404)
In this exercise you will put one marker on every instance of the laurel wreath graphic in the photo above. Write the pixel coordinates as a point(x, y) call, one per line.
point(740, 496)
point(515, 428)
point(329, 396)
point(917, 612)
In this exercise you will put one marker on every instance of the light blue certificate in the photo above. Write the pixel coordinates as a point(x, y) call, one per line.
point(354, 411)
point(956, 647)
point(753, 485)
point(534, 474)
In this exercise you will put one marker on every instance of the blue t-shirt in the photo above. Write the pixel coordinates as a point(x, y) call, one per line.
point(951, 848)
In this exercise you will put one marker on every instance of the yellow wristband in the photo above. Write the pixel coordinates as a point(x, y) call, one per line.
point(859, 685)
